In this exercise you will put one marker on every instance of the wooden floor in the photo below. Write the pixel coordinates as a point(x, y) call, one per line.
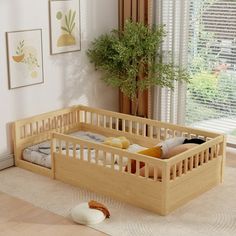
point(21, 218)
point(18, 217)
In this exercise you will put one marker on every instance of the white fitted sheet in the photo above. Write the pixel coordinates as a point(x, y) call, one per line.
point(40, 154)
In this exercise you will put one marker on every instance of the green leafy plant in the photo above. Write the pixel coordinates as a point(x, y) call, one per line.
point(20, 48)
point(69, 22)
point(131, 62)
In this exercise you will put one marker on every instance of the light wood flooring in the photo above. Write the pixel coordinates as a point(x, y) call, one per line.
point(21, 218)
point(18, 217)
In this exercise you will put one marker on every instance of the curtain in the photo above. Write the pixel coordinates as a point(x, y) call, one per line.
point(138, 11)
point(168, 105)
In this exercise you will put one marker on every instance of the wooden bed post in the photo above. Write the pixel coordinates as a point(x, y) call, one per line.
point(53, 150)
point(223, 153)
point(16, 137)
point(165, 187)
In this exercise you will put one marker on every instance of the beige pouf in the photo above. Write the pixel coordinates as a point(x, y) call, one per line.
point(84, 215)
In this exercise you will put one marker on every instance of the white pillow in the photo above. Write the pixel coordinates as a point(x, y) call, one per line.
point(170, 143)
point(84, 215)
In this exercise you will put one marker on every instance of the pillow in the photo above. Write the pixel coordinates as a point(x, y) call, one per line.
point(119, 142)
point(153, 152)
point(135, 148)
point(179, 149)
point(84, 215)
point(170, 143)
point(194, 140)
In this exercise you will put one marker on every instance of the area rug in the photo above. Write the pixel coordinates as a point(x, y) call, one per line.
point(211, 214)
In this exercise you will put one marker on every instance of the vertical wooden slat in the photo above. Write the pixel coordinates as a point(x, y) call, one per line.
point(174, 171)
point(98, 120)
point(123, 125)
point(196, 161)
point(130, 127)
point(137, 128)
point(30, 129)
point(191, 163)
point(104, 121)
point(155, 173)
point(144, 130)
point(96, 156)
point(60, 147)
point(74, 150)
point(146, 170)
point(151, 131)
point(81, 152)
point(201, 158)
point(207, 155)
point(120, 163)
point(104, 158)
point(129, 166)
point(91, 118)
point(89, 154)
point(37, 127)
point(110, 122)
point(185, 166)
point(86, 117)
point(117, 123)
point(53, 150)
point(180, 169)
point(112, 161)
point(67, 150)
point(137, 168)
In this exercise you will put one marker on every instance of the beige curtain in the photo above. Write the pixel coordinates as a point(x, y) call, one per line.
point(138, 11)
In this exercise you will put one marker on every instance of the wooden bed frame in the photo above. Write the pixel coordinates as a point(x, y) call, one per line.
point(176, 180)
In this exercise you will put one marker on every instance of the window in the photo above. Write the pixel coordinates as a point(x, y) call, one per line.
point(211, 97)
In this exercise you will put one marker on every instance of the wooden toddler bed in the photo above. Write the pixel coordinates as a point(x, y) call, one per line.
point(175, 181)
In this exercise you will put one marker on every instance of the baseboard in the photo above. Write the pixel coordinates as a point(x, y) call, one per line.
point(6, 161)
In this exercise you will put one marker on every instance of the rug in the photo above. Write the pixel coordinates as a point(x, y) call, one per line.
point(211, 214)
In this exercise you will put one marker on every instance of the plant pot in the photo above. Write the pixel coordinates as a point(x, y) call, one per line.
point(66, 40)
point(18, 58)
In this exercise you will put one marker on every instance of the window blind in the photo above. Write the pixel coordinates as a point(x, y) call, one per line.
point(211, 98)
point(202, 36)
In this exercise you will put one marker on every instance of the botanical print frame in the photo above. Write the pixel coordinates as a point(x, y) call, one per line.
point(25, 58)
point(65, 32)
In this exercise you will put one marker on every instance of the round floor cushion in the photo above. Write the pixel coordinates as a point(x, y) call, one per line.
point(82, 214)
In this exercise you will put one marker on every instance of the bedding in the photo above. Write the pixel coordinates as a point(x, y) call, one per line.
point(40, 154)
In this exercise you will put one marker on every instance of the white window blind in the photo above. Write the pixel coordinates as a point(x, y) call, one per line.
point(201, 34)
point(211, 98)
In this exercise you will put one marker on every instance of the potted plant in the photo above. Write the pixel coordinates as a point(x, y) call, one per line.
point(131, 61)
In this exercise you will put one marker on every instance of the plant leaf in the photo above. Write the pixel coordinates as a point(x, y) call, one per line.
point(65, 29)
point(72, 20)
point(72, 28)
point(69, 16)
point(67, 25)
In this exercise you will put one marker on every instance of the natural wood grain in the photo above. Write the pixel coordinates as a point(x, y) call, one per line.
point(161, 193)
point(18, 217)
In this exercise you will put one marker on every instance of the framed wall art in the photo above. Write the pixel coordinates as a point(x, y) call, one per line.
point(65, 33)
point(25, 58)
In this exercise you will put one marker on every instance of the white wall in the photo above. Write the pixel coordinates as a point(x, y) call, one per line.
point(69, 78)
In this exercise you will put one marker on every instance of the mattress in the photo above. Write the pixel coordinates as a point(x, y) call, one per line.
point(40, 154)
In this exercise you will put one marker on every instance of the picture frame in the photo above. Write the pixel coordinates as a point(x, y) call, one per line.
point(24, 58)
point(64, 26)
